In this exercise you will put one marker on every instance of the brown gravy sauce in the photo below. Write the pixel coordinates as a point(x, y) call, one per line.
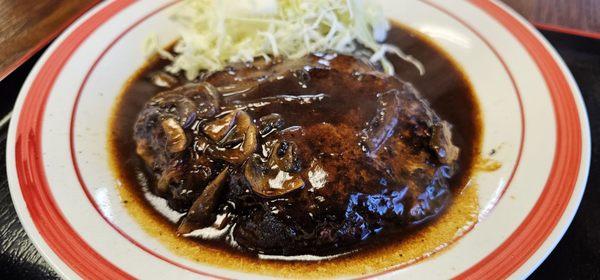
point(444, 85)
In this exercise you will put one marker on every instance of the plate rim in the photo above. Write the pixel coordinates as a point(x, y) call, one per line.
point(527, 32)
point(25, 215)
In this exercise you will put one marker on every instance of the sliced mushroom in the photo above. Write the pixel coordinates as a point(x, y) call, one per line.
point(284, 156)
point(199, 99)
point(270, 123)
point(168, 176)
point(270, 182)
point(172, 104)
point(159, 129)
point(218, 129)
point(382, 126)
point(176, 139)
point(239, 153)
point(232, 139)
point(204, 95)
point(189, 121)
point(202, 212)
point(277, 175)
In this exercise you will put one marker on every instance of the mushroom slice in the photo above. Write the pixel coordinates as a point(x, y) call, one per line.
point(169, 175)
point(269, 182)
point(201, 213)
point(270, 123)
point(218, 129)
point(279, 174)
point(176, 139)
point(239, 153)
point(283, 156)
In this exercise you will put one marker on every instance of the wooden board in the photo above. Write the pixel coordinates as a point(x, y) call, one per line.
point(28, 25)
point(578, 17)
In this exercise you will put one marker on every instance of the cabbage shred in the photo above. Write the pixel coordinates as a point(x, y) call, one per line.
point(215, 33)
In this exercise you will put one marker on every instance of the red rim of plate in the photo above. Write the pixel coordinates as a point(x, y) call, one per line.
point(503, 261)
point(180, 265)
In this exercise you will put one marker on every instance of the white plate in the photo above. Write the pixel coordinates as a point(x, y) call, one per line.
point(66, 197)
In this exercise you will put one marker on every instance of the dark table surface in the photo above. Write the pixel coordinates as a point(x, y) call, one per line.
point(577, 256)
point(28, 25)
point(578, 16)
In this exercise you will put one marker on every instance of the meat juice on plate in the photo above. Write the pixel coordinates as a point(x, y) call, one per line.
point(349, 165)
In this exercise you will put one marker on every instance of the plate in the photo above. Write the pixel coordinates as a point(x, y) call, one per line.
point(532, 112)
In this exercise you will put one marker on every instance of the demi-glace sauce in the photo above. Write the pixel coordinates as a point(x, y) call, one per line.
point(443, 85)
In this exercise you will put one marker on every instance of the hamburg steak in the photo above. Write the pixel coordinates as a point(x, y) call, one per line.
point(310, 156)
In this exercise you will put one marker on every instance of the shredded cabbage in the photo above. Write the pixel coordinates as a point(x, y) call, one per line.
point(215, 33)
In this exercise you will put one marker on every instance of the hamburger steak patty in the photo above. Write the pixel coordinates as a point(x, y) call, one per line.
point(311, 156)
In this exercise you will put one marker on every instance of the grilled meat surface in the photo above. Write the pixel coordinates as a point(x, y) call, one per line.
point(311, 156)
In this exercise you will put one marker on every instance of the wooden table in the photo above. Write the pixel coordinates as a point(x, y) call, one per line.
point(28, 25)
point(579, 17)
